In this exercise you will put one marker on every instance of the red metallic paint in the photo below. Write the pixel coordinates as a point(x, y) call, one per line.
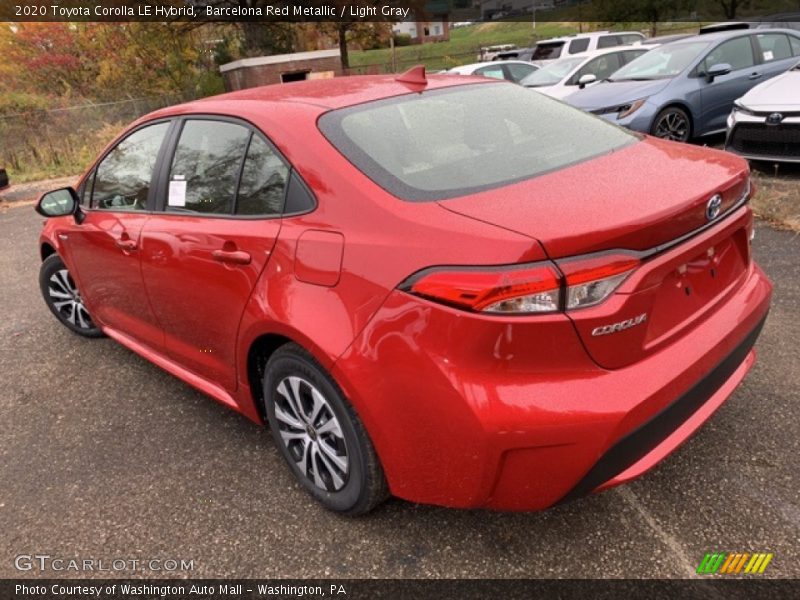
point(464, 409)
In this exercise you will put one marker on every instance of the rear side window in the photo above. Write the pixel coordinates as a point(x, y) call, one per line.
point(738, 53)
point(263, 184)
point(774, 46)
point(579, 45)
point(460, 140)
point(122, 179)
point(205, 169)
point(547, 51)
point(795, 45)
point(608, 41)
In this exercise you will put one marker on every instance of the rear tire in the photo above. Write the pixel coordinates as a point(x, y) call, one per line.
point(63, 298)
point(672, 123)
point(320, 435)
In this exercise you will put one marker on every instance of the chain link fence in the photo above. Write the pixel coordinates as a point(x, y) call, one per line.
point(38, 144)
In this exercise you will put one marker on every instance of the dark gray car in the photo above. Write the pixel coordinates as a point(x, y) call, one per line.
point(686, 89)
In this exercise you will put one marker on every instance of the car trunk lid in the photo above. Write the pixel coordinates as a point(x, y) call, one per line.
point(650, 200)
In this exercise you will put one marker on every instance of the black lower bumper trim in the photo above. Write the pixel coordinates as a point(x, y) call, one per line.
point(642, 440)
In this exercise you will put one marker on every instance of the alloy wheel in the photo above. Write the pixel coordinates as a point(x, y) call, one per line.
point(673, 126)
point(311, 433)
point(67, 300)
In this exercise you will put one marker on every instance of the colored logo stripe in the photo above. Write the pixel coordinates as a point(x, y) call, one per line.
point(734, 562)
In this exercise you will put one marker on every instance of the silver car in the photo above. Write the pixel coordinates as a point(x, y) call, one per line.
point(686, 89)
point(765, 122)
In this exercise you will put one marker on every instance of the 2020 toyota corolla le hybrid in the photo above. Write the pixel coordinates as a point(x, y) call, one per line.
point(451, 289)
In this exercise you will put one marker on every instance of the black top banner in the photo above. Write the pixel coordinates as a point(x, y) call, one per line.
point(647, 11)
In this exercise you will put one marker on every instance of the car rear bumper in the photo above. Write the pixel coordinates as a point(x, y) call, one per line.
point(467, 411)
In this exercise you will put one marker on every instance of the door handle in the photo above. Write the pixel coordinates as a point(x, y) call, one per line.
point(754, 75)
point(236, 257)
point(127, 245)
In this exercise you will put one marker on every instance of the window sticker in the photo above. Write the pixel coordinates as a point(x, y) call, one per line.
point(177, 192)
point(768, 55)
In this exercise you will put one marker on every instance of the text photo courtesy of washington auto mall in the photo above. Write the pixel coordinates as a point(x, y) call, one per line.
point(399, 299)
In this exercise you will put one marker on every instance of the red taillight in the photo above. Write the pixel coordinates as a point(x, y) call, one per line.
point(525, 289)
point(592, 279)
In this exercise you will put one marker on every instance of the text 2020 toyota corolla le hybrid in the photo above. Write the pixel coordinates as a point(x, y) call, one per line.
point(451, 290)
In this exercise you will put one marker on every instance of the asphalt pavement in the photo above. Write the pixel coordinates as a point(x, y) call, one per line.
point(103, 456)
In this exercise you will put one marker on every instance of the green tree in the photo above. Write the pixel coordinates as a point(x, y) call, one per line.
point(649, 11)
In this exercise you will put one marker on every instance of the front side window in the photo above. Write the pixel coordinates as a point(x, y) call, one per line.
point(552, 73)
point(205, 169)
point(122, 179)
point(465, 139)
point(795, 45)
point(664, 62)
point(738, 53)
point(601, 67)
point(774, 46)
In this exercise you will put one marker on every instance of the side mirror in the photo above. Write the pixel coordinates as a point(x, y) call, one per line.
point(586, 80)
point(716, 70)
point(60, 203)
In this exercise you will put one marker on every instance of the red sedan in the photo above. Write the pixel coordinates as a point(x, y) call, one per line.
point(452, 290)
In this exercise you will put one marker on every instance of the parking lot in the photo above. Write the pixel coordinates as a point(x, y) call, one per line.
point(105, 456)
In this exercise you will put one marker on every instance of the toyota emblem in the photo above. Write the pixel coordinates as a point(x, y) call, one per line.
point(713, 207)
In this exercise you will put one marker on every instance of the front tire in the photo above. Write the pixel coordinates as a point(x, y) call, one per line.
point(672, 123)
point(63, 298)
point(320, 435)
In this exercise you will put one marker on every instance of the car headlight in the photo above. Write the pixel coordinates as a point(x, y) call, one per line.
point(630, 108)
point(740, 109)
point(621, 110)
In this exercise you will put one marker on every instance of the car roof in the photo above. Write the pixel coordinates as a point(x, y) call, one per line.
point(337, 92)
point(723, 35)
point(591, 34)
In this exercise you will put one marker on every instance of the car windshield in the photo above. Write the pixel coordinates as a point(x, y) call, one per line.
point(552, 73)
point(465, 139)
point(664, 62)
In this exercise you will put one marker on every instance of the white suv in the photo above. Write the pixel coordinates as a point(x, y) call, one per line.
point(561, 47)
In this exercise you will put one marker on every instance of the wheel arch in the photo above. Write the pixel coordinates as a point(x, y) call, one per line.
point(684, 107)
point(259, 351)
point(46, 250)
point(258, 354)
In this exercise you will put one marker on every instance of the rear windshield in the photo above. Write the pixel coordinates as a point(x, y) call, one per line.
point(547, 51)
point(464, 139)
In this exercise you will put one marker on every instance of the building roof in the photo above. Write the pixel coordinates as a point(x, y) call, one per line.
point(278, 59)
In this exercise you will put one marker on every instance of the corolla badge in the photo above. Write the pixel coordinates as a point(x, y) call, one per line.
point(774, 119)
point(713, 207)
point(621, 326)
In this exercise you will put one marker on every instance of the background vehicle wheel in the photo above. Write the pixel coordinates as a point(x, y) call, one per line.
point(63, 298)
point(320, 435)
point(672, 123)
